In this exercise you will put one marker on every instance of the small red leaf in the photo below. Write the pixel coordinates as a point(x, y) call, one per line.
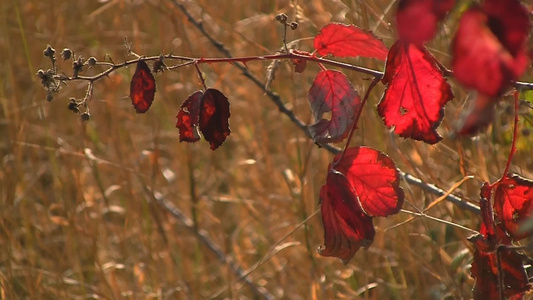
point(349, 41)
point(188, 118)
point(375, 179)
point(492, 41)
point(332, 92)
point(346, 226)
point(142, 88)
point(364, 184)
point(417, 20)
point(416, 93)
point(513, 203)
point(214, 117)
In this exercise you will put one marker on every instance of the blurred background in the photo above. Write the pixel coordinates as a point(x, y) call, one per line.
point(79, 210)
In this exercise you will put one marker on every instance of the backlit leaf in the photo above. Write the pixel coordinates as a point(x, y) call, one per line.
point(346, 227)
point(513, 203)
point(332, 92)
point(364, 184)
point(375, 179)
point(485, 271)
point(349, 41)
point(142, 88)
point(416, 93)
point(416, 20)
point(207, 112)
point(488, 247)
point(489, 48)
point(188, 118)
point(214, 117)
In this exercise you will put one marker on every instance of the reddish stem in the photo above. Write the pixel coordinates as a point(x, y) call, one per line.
point(200, 74)
point(357, 116)
point(515, 134)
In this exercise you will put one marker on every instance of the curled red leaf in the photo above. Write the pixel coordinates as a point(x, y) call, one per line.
point(416, 20)
point(188, 115)
point(346, 227)
point(513, 203)
point(364, 184)
point(142, 88)
point(349, 41)
point(207, 112)
point(492, 41)
point(416, 93)
point(332, 92)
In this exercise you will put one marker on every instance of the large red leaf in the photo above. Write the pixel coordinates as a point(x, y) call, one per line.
point(349, 41)
point(374, 178)
point(416, 93)
point(332, 92)
point(207, 112)
point(142, 88)
point(492, 41)
point(188, 117)
point(513, 203)
point(416, 20)
point(214, 117)
point(364, 184)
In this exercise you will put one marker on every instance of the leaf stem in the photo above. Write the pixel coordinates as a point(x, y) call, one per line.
point(357, 116)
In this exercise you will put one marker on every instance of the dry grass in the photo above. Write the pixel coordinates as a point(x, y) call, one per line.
point(77, 217)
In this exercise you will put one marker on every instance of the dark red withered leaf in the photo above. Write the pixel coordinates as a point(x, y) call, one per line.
point(142, 88)
point(332, 92)
point(416, 20)
point(346, 227)
point(416, 93)
point(214, 117)
point(487, 243)
point(375, 179)
point(364, 184)
point(188, 117)
point(513, 203)
point(492, 41)
point(485, 272)
point(349, 41)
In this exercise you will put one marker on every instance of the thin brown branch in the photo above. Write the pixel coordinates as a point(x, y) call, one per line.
point(289, 113)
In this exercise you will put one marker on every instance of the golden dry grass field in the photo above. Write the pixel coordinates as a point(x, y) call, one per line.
point(81, 214)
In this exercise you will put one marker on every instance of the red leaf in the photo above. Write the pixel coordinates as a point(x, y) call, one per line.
point(417, 20)
point(486, 268)
point(374, 178)
point(332, 92)
point(485, 272)
point(188, 118)
point(513, 203)
point(492, 41)
point(214, 117)
point(208, 112)
point(346, 226)
point(349, 41)
point(364, 184)
point(416, 93)
point(142, 88)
